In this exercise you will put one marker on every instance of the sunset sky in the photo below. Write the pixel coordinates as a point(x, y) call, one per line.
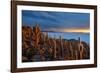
point(69, 25)
point(57, 21)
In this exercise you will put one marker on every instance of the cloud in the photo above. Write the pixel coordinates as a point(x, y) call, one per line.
point(72, 30)
point(57, 20)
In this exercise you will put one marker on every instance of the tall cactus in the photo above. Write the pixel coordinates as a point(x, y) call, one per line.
point(80, 46)
point(79, 42)
point(36, 35)
point(81, 51)
point(76, 54)
point(55, 52)
point(71, 50)
point(61, 42)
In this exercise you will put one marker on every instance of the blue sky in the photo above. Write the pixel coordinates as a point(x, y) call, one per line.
point(59, 22)
point(51, 21)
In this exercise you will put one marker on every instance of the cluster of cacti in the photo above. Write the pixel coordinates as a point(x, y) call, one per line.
point(38, 46)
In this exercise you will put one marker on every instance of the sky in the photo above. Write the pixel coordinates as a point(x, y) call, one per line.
point(57, 21)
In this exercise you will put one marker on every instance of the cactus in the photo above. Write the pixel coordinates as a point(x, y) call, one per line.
point(55, 52)
point(76, 55)
point(61, 44)
point(71, 51)
point(36, 35)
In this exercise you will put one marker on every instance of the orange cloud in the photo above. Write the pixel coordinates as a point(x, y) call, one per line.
point(74, 30)
point(77, 30)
